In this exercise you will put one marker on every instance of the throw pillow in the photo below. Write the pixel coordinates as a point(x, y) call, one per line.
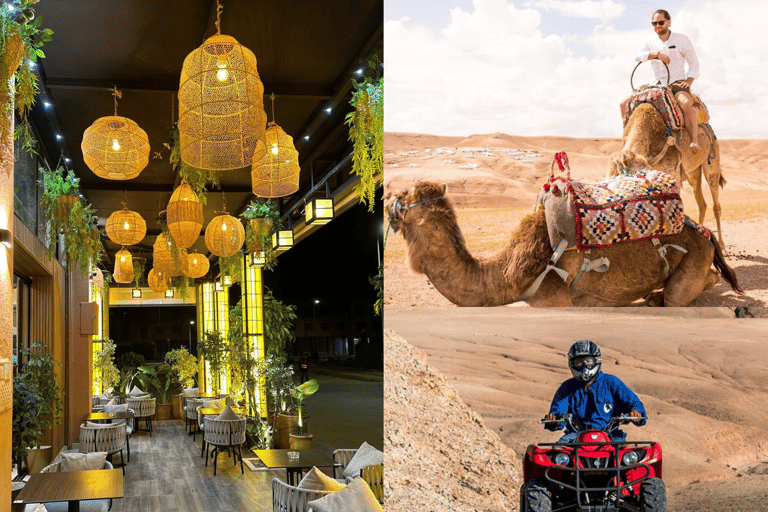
point(111, 402)
point(356, 496)
point(83, 461)
point(366, 455)
point(316, 480)
point(115, 408)
point(136, 391)
point(228, 414)
point(190, 391)
point(213, 404)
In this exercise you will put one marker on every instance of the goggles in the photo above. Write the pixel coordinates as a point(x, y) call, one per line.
point(581, 363)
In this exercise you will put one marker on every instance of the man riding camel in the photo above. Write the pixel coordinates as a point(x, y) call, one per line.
point(674, 50)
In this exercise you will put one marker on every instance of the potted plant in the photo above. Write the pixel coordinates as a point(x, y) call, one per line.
point(213, 348)
point(37, 407)
point(301, 439)
point(184, 367)
point(21, 40)
point(366, 131)
point(263, 216)
point(158, 381)
point(105, 374)
point(278, 380)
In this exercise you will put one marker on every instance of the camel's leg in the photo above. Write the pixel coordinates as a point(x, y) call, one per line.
point(713, 177)
point(691, 277)
point(694, 178)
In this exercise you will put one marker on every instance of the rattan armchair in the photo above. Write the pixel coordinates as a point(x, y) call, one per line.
point(287, 498)
point(224, 435)
point(85, 505)
point(374, 477)
point(341, 458)
point(108, 438)
point(144, 408)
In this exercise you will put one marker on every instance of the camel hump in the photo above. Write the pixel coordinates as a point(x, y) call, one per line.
point(662, 99)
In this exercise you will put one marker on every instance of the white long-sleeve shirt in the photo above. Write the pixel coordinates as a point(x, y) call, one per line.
point(679, 50)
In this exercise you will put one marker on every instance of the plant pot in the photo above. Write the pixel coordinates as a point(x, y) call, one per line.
point(38, 458)
point(176, 407)
point(301, 441)
point(14, 51)
point(163, 412)
point(63, 205)
point(261, 228)
point(287, 423)
point(16, 488)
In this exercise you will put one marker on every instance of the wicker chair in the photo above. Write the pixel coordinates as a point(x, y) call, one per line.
point(108, 438)
point(144, 408)
point(341, 458)
point(86, 505)
point(224, 435)
point(191, 411)
point(374, 477)
point(287, 498)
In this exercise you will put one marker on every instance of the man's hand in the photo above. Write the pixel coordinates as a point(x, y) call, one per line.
point(550, 426)
point(635, 414)
point(663, 57)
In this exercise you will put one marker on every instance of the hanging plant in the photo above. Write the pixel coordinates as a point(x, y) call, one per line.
point(232, 266)
point(366, 131)
point(139, 265)
point(182, 283)
point(21, 41)
point(69, 216)
point(198, 179)
point(263, 218)
point(105, 285)
point(162, 223)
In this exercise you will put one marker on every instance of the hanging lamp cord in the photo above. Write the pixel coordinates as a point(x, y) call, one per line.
point(219, 9)
point(116, 94)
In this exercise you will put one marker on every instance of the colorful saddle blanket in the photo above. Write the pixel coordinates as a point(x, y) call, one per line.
point(631, 207)
point(664, 101)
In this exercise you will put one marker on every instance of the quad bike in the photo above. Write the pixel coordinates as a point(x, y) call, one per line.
point(593, 473)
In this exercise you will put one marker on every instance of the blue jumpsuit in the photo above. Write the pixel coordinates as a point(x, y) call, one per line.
point(606, 397)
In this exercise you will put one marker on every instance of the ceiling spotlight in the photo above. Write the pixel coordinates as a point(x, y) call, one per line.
point(31, 64)
point(359, 71)
point(67, 160)
point(59, 136)
point(328, 110)
point(47, 104)
point(306, 137)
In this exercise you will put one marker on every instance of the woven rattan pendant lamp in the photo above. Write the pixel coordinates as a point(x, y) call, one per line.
point(157, 281)
point(275, 169)
point(221, 104)
point(114, 147)
point(126, 227)
point(197, 265)
point(163, 259)
point(224, 235)
point(184, 216)
point(123, 267)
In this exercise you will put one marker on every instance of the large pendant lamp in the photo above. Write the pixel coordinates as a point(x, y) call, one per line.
point(224, 235)
point(123, 267)
point(157, 281)
point(197, 265)
point(114, 147)
point(221, 104)
point(184, 216)
point(126, 227)
point(163, 259)
point(275, 169)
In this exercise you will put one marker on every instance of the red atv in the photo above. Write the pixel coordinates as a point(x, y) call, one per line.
point(593, 473)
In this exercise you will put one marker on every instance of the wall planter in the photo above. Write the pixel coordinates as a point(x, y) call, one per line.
point(176, 407)
point(38, 458)
point(285, 424)
point(163, 412)
point(301, 441)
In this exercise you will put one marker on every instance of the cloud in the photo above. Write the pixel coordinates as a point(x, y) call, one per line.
point(604, 10)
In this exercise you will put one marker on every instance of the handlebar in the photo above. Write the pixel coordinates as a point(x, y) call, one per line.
point(631, 78)
point(577, 426)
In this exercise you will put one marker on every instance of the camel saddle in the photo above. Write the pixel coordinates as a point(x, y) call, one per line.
point(638, 206)
point(664, 101)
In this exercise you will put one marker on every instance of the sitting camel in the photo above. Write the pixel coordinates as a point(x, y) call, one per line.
point(436, 248)
point(645, 146)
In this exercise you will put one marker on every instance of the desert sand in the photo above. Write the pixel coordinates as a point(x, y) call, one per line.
point(701, 373)
point(493, 180)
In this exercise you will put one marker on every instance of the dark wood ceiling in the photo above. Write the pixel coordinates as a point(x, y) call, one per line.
point(307, 53)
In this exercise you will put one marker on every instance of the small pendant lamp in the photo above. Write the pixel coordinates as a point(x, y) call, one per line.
point(123, 267)
point(224, 235)
point(197, 265)
point(184, 216)
point(163, 259)
point(221, 104)
point(114, 147)
point(126, 227)
point(275, 169)
point(157, 281)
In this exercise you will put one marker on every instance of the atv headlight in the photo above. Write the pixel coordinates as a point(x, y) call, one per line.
point(562, 459)
point(629, 458)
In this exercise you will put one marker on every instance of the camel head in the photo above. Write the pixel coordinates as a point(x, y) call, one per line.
point(626, 161)
point(398, 204)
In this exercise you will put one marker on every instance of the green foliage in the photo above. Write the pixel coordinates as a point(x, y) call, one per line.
point(378, 284)
point(127, 374)
point(37, 400)
point(182, 283)
point(260, 432)
point(214, 349)
point(130, 360)
point(158, 380)
point(19, 23)
point(278, 380)
point(82, 240)
point(278, 324)
point(184, 365)
point(366, 131)
point(106, 373)
point(139, 264)
point(198, 179)
point(301, 393)
point(232, 266)
point(241, 361)
point(262, 208)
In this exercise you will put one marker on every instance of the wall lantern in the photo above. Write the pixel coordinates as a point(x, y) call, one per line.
point(282, 240)
point(169, 293)
point(319, 211)
point(218, 286)
point(136, 293)
point(6, 238)
point(258, 259)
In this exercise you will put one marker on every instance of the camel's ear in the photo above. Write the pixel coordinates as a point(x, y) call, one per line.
point(614, 165)
point(443, 187)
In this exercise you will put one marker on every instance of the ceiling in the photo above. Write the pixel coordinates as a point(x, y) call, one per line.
point(307, 54)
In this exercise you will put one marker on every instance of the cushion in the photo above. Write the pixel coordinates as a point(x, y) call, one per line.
point(356, 496)
point(136, 391)
point(105, 395)
point(190, 391)
point(111, 402)
point(366, 455)
point(85, 506)
point(115, 408)
point(228, 414)
point(83, 461)
point(213, 404)
point(102, 425)
point(316, 480)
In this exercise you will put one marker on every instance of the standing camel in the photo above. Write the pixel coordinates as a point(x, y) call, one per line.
point(436, 248)
point(645, 147)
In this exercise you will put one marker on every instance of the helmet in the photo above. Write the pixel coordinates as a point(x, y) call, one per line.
point(584, 360)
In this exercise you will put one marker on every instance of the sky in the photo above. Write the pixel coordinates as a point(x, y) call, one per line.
point(553, 67)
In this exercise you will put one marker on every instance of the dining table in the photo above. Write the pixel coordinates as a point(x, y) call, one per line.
point(72, 487)
point(294, 466)
point(98, 416)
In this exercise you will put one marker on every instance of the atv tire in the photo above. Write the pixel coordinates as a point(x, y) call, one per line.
point(653, 496)
point(536, 497)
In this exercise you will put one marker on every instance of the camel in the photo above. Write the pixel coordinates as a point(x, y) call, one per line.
point(645, 138)
point(436, 247)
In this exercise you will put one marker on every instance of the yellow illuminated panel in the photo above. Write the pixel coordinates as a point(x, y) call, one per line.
point(253, 326)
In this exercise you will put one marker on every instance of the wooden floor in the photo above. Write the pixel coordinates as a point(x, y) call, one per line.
point(167, 473)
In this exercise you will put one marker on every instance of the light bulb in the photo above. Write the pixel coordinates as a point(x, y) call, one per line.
point(223, 227)
point(194, 262)
point(222, 73)
point(127, 226)
point(115, 145)
point(122, 258)
point(275, 149)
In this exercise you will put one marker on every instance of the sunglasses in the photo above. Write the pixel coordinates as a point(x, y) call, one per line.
point(654, 23)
